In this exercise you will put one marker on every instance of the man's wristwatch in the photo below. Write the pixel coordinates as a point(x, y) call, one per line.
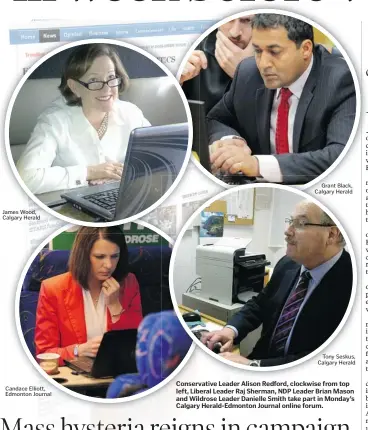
point(255, 363)
point(76, 350)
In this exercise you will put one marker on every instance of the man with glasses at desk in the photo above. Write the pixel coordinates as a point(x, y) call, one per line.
point(305, 300)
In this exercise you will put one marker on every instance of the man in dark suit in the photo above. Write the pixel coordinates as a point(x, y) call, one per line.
point(305, 300)
point(293, 100)
point(211, 66)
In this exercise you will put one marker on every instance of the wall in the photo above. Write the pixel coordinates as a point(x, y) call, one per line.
point(272, 206)
point(136, 64)
point(149, 259)
point(136, 236)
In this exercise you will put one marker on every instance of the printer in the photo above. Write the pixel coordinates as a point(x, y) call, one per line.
point(228, 272)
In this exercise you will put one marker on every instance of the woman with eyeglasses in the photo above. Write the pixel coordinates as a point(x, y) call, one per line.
point(83, 136)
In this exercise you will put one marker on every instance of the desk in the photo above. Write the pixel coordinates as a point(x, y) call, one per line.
point(208, 319)
point(83, 384)
point(205, 318)
point(195, 301)
point(52, 198)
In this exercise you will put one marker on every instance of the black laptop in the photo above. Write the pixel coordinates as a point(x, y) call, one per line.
point(201, 148)
point(200, 135)
point(153, 161)
point(115, 356)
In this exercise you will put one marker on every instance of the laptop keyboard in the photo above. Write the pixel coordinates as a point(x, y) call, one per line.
point(235, 179)
point(83, 363)
point(105, 199)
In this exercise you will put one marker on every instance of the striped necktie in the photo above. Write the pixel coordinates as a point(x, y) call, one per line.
point(289, 313)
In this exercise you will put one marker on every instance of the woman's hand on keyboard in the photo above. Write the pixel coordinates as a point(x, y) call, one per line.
point(107, 170)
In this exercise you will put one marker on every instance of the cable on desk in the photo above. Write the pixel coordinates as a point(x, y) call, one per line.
point(193, 285)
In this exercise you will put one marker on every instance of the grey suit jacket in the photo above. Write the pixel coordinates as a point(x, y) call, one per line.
point(323, 122)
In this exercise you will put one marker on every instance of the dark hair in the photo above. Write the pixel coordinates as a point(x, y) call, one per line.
point(79, 261)
point(81, 59)
point(297, 30)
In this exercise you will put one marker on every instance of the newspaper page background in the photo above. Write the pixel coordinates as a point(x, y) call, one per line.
point(345, 20)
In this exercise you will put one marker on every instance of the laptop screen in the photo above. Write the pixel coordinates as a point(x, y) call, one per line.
point(200, 136)
point(153, 161)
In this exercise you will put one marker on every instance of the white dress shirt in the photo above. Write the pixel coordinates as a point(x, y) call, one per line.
point(95, 317)
point(64, 143)
point(268, 165)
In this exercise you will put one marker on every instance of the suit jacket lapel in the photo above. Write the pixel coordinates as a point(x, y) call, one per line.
point(286, 285)
point(264, 100)
point(305, 98)
point(288, 282)
point(74, 305)
point(327, 284)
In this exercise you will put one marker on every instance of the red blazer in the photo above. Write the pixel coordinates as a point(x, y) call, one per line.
point(60, 321)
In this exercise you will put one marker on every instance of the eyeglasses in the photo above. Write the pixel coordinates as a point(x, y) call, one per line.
point(301, 223)
point(98, 85)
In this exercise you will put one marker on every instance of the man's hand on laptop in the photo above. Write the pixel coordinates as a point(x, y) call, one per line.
point(235, 358)
point(234, 155)
point(90, 348)
point(225, 337)
point(230, 140)
point(105, 171)
point(229, 55)
point(196, 62)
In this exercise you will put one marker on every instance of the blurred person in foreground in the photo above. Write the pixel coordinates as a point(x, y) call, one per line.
point(211, 66)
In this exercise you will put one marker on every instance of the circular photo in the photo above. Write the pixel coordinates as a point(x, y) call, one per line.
point(98, 131)
point(94, 312)
point(274, 98)
point(265, 278)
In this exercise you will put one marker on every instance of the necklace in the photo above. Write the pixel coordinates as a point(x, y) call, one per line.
point(96, 300)
point(103, 127)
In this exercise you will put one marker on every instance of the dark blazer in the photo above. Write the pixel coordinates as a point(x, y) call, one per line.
point(323, 123)
point(209, 86)
point(317, 321)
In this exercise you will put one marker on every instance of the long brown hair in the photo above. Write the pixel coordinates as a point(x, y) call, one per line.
point(79, 261)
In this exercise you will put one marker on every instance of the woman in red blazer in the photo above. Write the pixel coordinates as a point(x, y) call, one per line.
point(98, 294)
